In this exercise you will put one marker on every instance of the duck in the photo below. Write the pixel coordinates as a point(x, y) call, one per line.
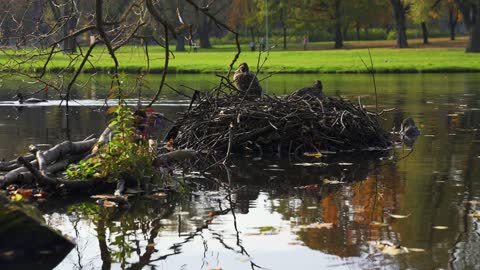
point(409, 129)
point(245, 81)
point(316, 90)
point(21, 99)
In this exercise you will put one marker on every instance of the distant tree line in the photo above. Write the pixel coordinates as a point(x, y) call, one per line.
point(22, 19)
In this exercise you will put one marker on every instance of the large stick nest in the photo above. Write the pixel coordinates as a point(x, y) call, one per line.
point(292, 123)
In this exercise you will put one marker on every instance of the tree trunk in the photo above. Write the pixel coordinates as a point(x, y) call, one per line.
point(400, 23)
point(424, 32)
point(252, 34)
point(452, 20)
point(357, 29)
point(70, 44)
point(474, 41)
point(338, 25)
point(180, 46)
point(471, 16)
point(204, 39)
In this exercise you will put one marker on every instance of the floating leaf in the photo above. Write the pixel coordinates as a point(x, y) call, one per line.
point(306, 164)
point(244, 259)
point(317, 225)
point(416, 249)
point(399, 216)
point(440, 227)
point(332, 182)
point(315, 155)
point(378, 224)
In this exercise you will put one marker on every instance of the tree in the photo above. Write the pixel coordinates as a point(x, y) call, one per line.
point(326, 14)
point(420, 12)
point(470, 10)
point(453, 17)
point(400, 9)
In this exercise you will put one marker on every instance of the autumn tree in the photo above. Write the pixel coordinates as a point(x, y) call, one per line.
point(244, 13)
point(420, 13)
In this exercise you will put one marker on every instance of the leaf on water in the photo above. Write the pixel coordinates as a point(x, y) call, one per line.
point(378, 224)
point(101, 196)
point(416, 249)
point(306, 164)
point(393, 250)
point(159, 195)
point(345, 164)
point(332, 182)
point(317, 225)
point(315, 155)
point(440, 227)
point(399, 216)
point(244, 259)
point(389, 248)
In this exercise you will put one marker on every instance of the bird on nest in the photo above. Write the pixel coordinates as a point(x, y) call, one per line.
point(316, 90)
point(246, 82)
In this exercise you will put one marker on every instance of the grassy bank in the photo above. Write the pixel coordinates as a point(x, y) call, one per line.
point(432, 58)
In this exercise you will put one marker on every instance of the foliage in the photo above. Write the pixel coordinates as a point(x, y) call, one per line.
point(124, 153)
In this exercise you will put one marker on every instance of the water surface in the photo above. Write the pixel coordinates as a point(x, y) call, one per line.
point(286, 216)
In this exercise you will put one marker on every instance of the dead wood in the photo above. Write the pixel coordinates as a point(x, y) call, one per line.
point(63, 186)
point(293, 123)
point(64, 152)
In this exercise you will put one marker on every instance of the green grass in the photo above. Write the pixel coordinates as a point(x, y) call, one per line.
point(318, 60)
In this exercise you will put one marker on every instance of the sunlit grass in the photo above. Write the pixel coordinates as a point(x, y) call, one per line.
point(386, 59)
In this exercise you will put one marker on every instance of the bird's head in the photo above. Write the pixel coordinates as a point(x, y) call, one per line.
point(318, 85)
point(243, 67)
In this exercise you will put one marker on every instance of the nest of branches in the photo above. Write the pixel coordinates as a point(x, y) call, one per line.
point(278, 124)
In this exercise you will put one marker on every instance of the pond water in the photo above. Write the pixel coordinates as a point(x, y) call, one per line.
point(286, 216)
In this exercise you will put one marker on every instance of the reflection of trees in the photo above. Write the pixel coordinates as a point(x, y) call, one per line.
point(351, 207)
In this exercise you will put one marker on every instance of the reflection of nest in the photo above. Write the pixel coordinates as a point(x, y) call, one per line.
point(291, 123)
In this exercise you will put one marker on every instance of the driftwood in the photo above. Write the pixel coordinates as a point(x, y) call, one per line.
point(284, 124)
point(79, 186)
point(64, 153)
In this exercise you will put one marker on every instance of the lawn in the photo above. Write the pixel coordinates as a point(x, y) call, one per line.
point(439, 56)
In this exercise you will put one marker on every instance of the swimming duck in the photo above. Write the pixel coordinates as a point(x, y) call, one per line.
point(244, 80)
point(316, 90)
point(21, 99)
point(408, 128)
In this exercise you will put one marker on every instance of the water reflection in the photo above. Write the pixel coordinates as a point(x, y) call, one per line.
point(288, 216)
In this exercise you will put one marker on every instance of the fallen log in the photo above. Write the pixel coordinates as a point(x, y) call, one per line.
point(65, 186)
point(63, 153)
